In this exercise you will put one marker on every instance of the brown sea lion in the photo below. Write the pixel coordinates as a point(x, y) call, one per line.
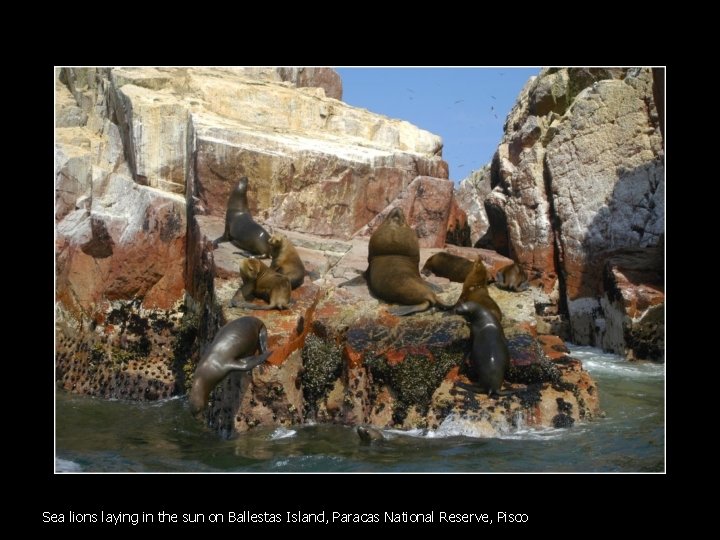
point(481, 295)
point(285, 260)
point(512, 277)
point(392, 274)
point(240, 228)
point(489, 354)
point(261, 281)
point(449, 266)
point(233, 349)
point(477, 277)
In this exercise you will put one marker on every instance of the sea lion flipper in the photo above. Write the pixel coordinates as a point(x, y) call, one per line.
point(247, 305)
point(249, 362)
point(402, 311)
point(219, 240)
point(434, 287)
point(357, 280)
point(471, 387)
point(263, 340)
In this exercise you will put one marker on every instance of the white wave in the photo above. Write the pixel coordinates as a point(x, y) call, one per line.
point(282, 433)
point(458, 426)
point(598, 362)
point(64, 465)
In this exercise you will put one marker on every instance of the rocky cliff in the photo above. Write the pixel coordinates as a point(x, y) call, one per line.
point(145, 160)
point(577, 178)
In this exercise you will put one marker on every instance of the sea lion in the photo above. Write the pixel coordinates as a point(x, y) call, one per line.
point(489, 354)
point(512, 277)
point(240, 228)
point(261, 281)
point(481, 295)
point(392, 274)
point(285, 260)
point(369, 434)
point(233, 349)
point(475, 289)
point(447, 265)
point(477, 277)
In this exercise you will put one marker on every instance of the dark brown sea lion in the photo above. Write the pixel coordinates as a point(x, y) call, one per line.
point(489, 354)
point(512, 277)
point(392, 274)
point(262, 282)
point(240, 228)
point(285, 260)
point(449, 266)
point(369, 434)
point(233, 349)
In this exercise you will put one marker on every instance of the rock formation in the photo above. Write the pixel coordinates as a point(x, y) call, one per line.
point(578, 175)
point(145, 161)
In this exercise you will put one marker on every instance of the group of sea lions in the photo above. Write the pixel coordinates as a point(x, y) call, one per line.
point(392, 275)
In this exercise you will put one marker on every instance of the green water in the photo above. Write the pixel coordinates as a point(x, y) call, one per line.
point(100, 435)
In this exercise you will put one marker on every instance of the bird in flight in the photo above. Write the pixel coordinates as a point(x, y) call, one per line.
point(459, 101)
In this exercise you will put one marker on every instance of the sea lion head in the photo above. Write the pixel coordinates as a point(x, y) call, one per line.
point(276, 243)
point(242, 185)
point(397, 217)
point(250, 269)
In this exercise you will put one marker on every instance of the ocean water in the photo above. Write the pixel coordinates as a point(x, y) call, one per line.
point(96, 435)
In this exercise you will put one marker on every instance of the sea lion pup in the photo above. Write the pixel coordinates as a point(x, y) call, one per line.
point(285, 260)
point(233, 349)
point(392, 274)
point(489, 354)
point(512, 277)
point(240, 228)
point(261, 281)
point(447, 265)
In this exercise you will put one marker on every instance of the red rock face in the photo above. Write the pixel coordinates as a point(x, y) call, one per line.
point(426, 203)
point(458, 231)
point(313, 192)
point(111, 263)
point(633, 304)
point(636, 278)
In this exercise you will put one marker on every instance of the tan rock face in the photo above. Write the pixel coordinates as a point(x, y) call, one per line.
point(470, 195)
point(579, 173)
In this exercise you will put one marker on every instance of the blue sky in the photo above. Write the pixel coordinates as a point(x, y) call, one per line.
point(465, 106)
